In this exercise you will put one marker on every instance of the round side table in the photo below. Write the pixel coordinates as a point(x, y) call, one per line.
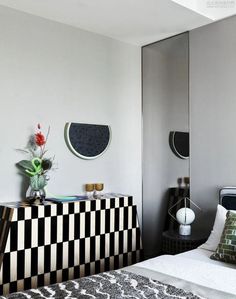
point(174, 243)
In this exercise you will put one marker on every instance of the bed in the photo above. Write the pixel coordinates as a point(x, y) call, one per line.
point(192, 271)
point(190, 275)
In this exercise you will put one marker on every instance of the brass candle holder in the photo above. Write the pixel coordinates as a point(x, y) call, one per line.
point(93, 191)
point(99, 186)
point(98, 189)
point(89, 188)
point(187, 181)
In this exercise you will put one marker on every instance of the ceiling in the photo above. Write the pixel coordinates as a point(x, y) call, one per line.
point(137, 22)
point(213, 9)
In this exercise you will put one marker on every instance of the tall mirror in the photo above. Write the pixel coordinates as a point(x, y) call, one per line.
point(165, 133)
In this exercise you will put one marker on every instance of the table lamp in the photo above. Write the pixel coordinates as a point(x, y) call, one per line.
point(184, 216)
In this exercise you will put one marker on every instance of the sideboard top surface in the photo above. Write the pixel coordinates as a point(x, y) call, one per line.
point(25, 204)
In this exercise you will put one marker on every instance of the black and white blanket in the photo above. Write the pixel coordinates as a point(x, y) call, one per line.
point(108, 285)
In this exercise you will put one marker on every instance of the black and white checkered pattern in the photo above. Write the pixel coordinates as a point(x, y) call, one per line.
point(55, 242)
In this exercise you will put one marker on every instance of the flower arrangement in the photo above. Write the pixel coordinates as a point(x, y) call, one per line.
point(37, 167)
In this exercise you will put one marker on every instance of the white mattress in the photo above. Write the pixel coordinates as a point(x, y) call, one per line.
point(204, 256)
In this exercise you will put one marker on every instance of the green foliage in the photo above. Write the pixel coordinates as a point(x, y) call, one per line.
point(37, 166)
point(24, 165)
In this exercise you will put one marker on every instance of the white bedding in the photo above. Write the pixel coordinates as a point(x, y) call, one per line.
point(192, 271)
point(204, 256)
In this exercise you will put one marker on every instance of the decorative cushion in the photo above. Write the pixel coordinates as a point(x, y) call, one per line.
point(214, 238)
point(226, 250)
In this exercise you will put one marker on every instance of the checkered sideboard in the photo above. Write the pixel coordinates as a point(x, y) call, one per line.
point(54, 242)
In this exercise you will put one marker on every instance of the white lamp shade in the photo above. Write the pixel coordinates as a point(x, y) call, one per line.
point(185, 216)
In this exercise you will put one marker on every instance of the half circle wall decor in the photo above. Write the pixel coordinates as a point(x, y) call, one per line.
point(87, 141)
point(179, 144)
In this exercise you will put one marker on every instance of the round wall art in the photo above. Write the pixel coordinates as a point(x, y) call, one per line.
point(87, 141)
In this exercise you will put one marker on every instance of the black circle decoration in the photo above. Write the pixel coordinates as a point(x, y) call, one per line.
point(179, 144)
point(87, 141)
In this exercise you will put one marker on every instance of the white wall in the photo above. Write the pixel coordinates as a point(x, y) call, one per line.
point(53, 73)
point(165, 109)
point(212, 114)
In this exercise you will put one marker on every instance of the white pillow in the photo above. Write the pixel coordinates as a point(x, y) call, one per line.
point(214, 238)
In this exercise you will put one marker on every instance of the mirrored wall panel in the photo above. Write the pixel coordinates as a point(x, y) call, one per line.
point(165, 134)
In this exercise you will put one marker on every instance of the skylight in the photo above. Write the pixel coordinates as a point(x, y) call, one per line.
point(213, 9)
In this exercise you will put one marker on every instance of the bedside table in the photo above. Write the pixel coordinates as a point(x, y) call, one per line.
point(173, 243)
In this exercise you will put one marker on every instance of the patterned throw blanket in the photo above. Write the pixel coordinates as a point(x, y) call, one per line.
point(113, 285)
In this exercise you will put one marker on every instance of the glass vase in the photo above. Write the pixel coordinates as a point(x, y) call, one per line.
point(33, 195)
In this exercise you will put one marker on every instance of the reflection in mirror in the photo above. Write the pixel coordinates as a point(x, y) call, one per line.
point(179, 144)
point(165, 109)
